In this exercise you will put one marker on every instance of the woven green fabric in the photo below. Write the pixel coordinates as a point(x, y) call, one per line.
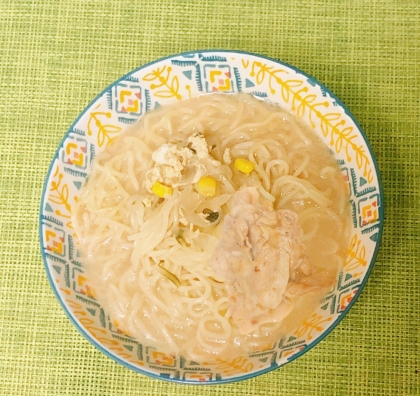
point(55, 56)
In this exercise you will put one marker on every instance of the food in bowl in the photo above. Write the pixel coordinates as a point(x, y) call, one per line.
point(175, 79)
point(212, 226)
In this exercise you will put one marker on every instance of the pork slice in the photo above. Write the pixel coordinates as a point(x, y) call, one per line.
point(259, 251)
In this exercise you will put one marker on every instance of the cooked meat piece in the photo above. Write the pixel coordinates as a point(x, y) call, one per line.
point(311, 283)
point(259, 251)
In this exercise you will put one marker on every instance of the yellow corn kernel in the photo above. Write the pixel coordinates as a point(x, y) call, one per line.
point(161, 190)
point(244, 166)
point(207, 186)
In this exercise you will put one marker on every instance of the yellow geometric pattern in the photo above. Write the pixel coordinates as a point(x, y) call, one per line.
point(220, 80)
point(177, 79)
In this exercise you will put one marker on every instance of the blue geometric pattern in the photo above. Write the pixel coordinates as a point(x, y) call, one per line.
point(178, 78)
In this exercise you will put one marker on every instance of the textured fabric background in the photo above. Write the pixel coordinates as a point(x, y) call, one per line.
point(55, 56)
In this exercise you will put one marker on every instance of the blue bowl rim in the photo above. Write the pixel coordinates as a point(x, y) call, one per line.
point(273, 366)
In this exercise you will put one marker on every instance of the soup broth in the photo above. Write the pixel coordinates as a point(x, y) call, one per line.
point(155, 212)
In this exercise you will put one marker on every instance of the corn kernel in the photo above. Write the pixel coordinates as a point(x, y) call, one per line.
point(244, 166)
point(207, 186)
point(161, 190)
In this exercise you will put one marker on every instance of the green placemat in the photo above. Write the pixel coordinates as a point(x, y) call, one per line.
point(55, 56)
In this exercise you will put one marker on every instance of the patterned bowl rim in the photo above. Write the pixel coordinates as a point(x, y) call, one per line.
point(319, 338)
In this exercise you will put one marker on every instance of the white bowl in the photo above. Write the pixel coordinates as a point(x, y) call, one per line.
point(175, 78)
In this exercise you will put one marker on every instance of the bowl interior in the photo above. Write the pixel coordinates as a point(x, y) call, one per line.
point(176, 78)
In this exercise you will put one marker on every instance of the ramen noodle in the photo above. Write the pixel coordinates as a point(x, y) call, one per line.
point(213, 225)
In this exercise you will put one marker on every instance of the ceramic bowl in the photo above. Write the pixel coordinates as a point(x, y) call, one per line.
point(175, 78)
